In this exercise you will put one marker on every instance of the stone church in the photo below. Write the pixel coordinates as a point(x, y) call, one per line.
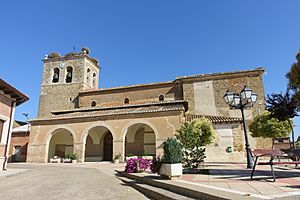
point(74, 115)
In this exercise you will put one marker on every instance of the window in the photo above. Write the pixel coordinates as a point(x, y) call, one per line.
point(69, 75)
point(88, 72)
point(161, 98)
point(94, 103)
point(1, 129)
point(55, 77)
point(126, 100)
point(94, 80)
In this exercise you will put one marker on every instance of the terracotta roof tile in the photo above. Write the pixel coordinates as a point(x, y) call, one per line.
point(214, 119)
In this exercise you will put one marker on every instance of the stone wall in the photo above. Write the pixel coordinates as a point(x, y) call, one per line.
point(163, 124)
point(58, 97)
point(136, 95)
point(62, 95)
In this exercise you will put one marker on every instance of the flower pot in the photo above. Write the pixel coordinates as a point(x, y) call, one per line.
point(74, 161)
point(117, 161)
point(171, 170)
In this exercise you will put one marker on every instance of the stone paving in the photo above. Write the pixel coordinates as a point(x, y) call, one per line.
point(236, 178)
point(88, 181)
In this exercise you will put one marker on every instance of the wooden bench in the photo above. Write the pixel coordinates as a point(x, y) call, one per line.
point(273, 154)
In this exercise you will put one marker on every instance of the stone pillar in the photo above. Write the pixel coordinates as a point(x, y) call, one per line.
point(119, 148)
point(159, 147)
point(37, 153)
point(79, 149)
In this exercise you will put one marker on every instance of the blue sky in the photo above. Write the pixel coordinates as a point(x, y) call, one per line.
point(139, 41)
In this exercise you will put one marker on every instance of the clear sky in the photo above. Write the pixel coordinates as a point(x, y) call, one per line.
point(139, 41)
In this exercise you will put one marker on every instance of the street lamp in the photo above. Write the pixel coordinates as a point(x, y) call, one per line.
point(245, 99)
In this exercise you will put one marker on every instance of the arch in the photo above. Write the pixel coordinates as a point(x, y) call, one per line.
point(88, 74)
point(69, 75)
point(126, 100)
point(94, 79)
point(98, 144)
point(104, 124)
point(93, 104)
point(60, 142)
point(55, 77)
point(161, 98)
point(139, 137)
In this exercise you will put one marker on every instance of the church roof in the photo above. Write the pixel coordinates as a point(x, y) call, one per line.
point(182, 78)
point(96, 112)
point(214, 119)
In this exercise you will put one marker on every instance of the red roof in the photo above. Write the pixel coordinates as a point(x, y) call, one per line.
point(13, 92)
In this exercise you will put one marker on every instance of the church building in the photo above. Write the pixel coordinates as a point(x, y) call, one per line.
point(75, 116)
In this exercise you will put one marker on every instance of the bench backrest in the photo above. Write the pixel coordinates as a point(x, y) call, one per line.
point(271, 152)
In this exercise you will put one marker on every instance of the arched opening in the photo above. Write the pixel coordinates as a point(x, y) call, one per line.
point(161, 98)
point(94, 80)
point(99, 145)
point(55, 77)
point(93, 104)
point(140, 140)
point(61, 144)
point(69, 74)
point(88, 74)
point(126, 100)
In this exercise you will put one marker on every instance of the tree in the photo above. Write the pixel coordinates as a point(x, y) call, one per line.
point(294, 77)
point(193, 136)
point(283, 107)
point(269, 127)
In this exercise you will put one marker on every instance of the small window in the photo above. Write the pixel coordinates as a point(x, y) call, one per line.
point(94, 80)
point(88, 72)
point(55, 77)
point(161, 98)
point(69, 75)
point(126, 100)
point(94, 103)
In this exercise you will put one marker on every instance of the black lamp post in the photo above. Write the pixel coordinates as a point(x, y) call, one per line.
point(246, 98)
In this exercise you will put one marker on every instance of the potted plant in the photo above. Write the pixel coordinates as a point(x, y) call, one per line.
point(128, 156)
point(171, 162)
point(73, 157)
point(147, 155)
point(117, 158)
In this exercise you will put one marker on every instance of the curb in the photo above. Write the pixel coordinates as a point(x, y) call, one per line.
point(188, 192)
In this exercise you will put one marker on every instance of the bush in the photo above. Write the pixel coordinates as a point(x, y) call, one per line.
point(172, 151)
point(73, 156)
point(266, 126)
point(135, 165)
point(193, 136)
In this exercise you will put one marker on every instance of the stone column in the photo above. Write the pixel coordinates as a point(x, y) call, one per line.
point(37, 153)
point(79, 148)
point(118, 148)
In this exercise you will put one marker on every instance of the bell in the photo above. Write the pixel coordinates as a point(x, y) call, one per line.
point(69, 75)
point(55, 76)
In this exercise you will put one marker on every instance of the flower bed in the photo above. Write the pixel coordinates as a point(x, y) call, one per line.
point(135, 165)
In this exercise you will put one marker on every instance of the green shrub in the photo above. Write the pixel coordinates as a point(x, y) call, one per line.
point(172, 151)
point(73, 156)
point(193, 137)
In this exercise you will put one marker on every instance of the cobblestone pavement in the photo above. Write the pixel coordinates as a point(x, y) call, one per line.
point(66, 181)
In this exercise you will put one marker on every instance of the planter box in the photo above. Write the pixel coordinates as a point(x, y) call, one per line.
point(74, 161)
point(171, 170)
point(128, 157)
point(147, 157)
point(117, 161)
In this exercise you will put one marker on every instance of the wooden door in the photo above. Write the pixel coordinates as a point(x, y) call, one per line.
point(108, 147)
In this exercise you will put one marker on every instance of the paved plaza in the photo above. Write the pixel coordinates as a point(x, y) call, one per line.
point(235, 178)
point(64, 181)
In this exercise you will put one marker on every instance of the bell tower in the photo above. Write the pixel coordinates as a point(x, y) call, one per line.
point(63, 78)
